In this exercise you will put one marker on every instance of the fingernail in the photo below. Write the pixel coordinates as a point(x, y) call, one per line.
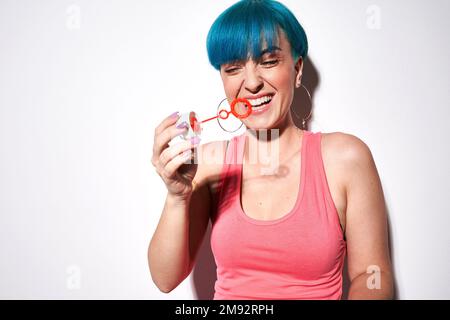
point(182, 125)
point(175, 115)
point(195, 140)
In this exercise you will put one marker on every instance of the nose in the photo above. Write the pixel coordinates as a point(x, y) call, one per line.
point(252, 82)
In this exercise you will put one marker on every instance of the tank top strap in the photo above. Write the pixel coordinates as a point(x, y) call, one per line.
point(317, 180)
point(228, 180)
point(313, 156)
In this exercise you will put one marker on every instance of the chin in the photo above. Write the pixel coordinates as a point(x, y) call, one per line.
point(261, 126)
point(266, 123)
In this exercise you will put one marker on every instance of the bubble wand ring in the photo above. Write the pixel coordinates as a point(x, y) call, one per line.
point(246, 102)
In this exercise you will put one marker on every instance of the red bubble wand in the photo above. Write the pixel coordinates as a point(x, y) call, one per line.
point(224, 114)
point(195, 125)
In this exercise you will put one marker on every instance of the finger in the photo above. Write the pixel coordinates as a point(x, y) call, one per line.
point(171, 152)
point(173, 165)
point(163, 138)
point(168, 121)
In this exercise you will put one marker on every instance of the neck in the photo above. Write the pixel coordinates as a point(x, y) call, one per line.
point(286, 137)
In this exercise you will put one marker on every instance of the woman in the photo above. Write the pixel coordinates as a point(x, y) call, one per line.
point(281, 234)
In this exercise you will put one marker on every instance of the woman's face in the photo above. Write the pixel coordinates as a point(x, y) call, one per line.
point(268, 84)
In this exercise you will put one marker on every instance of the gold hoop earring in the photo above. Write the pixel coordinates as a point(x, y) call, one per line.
point(310, 111)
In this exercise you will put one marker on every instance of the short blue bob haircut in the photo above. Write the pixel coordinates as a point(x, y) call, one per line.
point(240, 32)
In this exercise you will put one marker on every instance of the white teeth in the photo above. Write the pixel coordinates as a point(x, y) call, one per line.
point(257, 102)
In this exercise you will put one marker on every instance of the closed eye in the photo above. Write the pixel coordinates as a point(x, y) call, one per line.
point(269, 63)
point(232, 70)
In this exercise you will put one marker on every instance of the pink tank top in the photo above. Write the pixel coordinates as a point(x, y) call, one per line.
point(297, 256)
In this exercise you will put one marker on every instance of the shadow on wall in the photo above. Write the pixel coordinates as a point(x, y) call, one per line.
point(204, 272)
point(302, 105)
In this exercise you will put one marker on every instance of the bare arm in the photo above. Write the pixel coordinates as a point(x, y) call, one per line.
point(183, 222)
point(369, 263)
point(173, 246)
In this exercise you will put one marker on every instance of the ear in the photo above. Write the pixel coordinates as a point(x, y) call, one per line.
point(299, 71)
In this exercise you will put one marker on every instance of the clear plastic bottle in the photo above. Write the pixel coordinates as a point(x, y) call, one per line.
point(194, 126)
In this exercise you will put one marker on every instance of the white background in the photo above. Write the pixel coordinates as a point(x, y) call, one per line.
point(83, 85)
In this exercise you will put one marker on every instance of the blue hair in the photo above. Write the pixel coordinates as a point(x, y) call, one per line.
point(240, 31)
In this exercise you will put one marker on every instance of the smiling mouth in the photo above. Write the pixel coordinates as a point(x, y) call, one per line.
point(260, 102)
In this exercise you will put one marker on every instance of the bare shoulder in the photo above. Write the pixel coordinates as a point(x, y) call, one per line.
point(346, 151)
point(347, 145)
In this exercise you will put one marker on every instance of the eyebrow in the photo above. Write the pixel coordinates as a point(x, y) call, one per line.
point(270, 50)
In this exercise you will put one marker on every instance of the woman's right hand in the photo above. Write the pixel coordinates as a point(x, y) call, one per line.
point(173, 163)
